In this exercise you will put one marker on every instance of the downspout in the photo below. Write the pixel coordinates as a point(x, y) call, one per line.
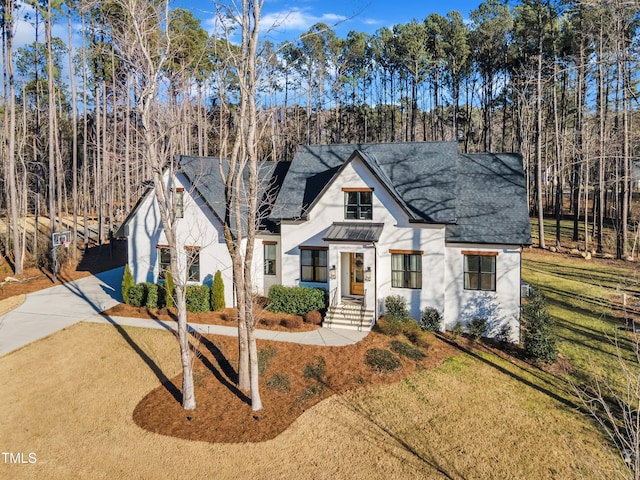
point(375, 283)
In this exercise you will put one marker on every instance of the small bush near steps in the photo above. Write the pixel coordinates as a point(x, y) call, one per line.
point(313, 317)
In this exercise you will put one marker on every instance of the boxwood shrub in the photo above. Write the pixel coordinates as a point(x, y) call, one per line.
point(295, 300)
point(197, 298)
point(136, 295)
point(151, 295)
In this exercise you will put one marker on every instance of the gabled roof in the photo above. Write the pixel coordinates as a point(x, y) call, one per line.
point(421, 176)
point(203, 174)
point(481, 198)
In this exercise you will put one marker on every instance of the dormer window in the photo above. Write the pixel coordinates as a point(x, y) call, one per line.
point(358, 203)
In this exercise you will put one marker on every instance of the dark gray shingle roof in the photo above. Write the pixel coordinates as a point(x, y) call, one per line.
point(420, 175)
point(491, 204)
point(204, 174)
point(480, 197)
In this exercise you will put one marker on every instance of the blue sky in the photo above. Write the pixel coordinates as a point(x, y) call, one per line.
point(295, 17)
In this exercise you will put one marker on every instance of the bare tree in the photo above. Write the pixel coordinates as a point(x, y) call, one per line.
point(241, 197)
point(613, 400)
point(141, 32)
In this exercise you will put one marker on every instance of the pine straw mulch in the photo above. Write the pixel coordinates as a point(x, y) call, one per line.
point(228, 317)
point(224, 413)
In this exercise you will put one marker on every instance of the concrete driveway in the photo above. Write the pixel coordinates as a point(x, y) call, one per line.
point(47, 311)
point(52, 309)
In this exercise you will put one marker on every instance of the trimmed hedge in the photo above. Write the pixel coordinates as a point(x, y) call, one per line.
point(150, 295)
point(136, 295)
point(197, 298)
point(295, 300)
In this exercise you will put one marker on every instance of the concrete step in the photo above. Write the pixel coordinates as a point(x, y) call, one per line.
point(351, 317)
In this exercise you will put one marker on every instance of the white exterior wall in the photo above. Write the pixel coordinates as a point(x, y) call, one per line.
point(198, 228)
point(501, 307)
point(398, 234)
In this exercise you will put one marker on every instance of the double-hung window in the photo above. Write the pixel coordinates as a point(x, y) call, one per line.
point(480, 270)
point(358, 203)
point(406, 269)
point(313, 265)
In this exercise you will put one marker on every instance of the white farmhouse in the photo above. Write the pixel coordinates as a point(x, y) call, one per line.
point(363, 222)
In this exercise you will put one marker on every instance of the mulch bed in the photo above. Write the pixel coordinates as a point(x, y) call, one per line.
point(224, 413)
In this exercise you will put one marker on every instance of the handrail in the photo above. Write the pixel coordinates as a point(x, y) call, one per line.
point(334, 297)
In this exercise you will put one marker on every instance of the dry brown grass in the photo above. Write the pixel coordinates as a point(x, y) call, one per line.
point(10, 303)
point(69, 398)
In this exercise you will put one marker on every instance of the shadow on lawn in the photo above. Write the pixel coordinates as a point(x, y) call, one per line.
point(157, 371)
point(519, 378)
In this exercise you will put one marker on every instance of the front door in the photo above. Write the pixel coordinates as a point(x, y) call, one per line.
point(357, 274)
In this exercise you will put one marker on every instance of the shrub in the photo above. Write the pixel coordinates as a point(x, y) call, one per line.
point(504, 334)
point(478, 327)
point(396, 307)
point(309, 392)
point(197, 298)
point(421, 340)
point(430, 319)
point(538, 337)
point(457, 330)
point(382, 360)
point(410, 328)
point(169, 289)
point(270, 321)
point(313, 317)
point(150, 295)
point(406, 350)
point(389, 326)
point(264, 357)
point(292, 321)
point(127, 283)
point(217, 293)
point(295, 300)
point(279, 382)
point(136, 295)
point(315, 371)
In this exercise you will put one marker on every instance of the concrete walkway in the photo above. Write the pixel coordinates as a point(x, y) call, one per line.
point(47, 311)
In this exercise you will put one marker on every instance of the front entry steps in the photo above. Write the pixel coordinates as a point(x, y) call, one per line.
point(349, 317)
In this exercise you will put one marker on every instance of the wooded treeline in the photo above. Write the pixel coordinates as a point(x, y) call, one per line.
point(554, 80)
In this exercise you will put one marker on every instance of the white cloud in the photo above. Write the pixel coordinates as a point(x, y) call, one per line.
point(297, 20)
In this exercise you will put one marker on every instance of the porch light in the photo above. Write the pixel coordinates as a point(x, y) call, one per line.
point(332, 272)
point(367, 274)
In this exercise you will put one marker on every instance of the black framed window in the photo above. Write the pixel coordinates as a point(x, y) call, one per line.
point(480, 272)
point(406, 270)
point(193, 264)
point(269, 259)
point(164, 262)
point(313, 265)
point(358, 205)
